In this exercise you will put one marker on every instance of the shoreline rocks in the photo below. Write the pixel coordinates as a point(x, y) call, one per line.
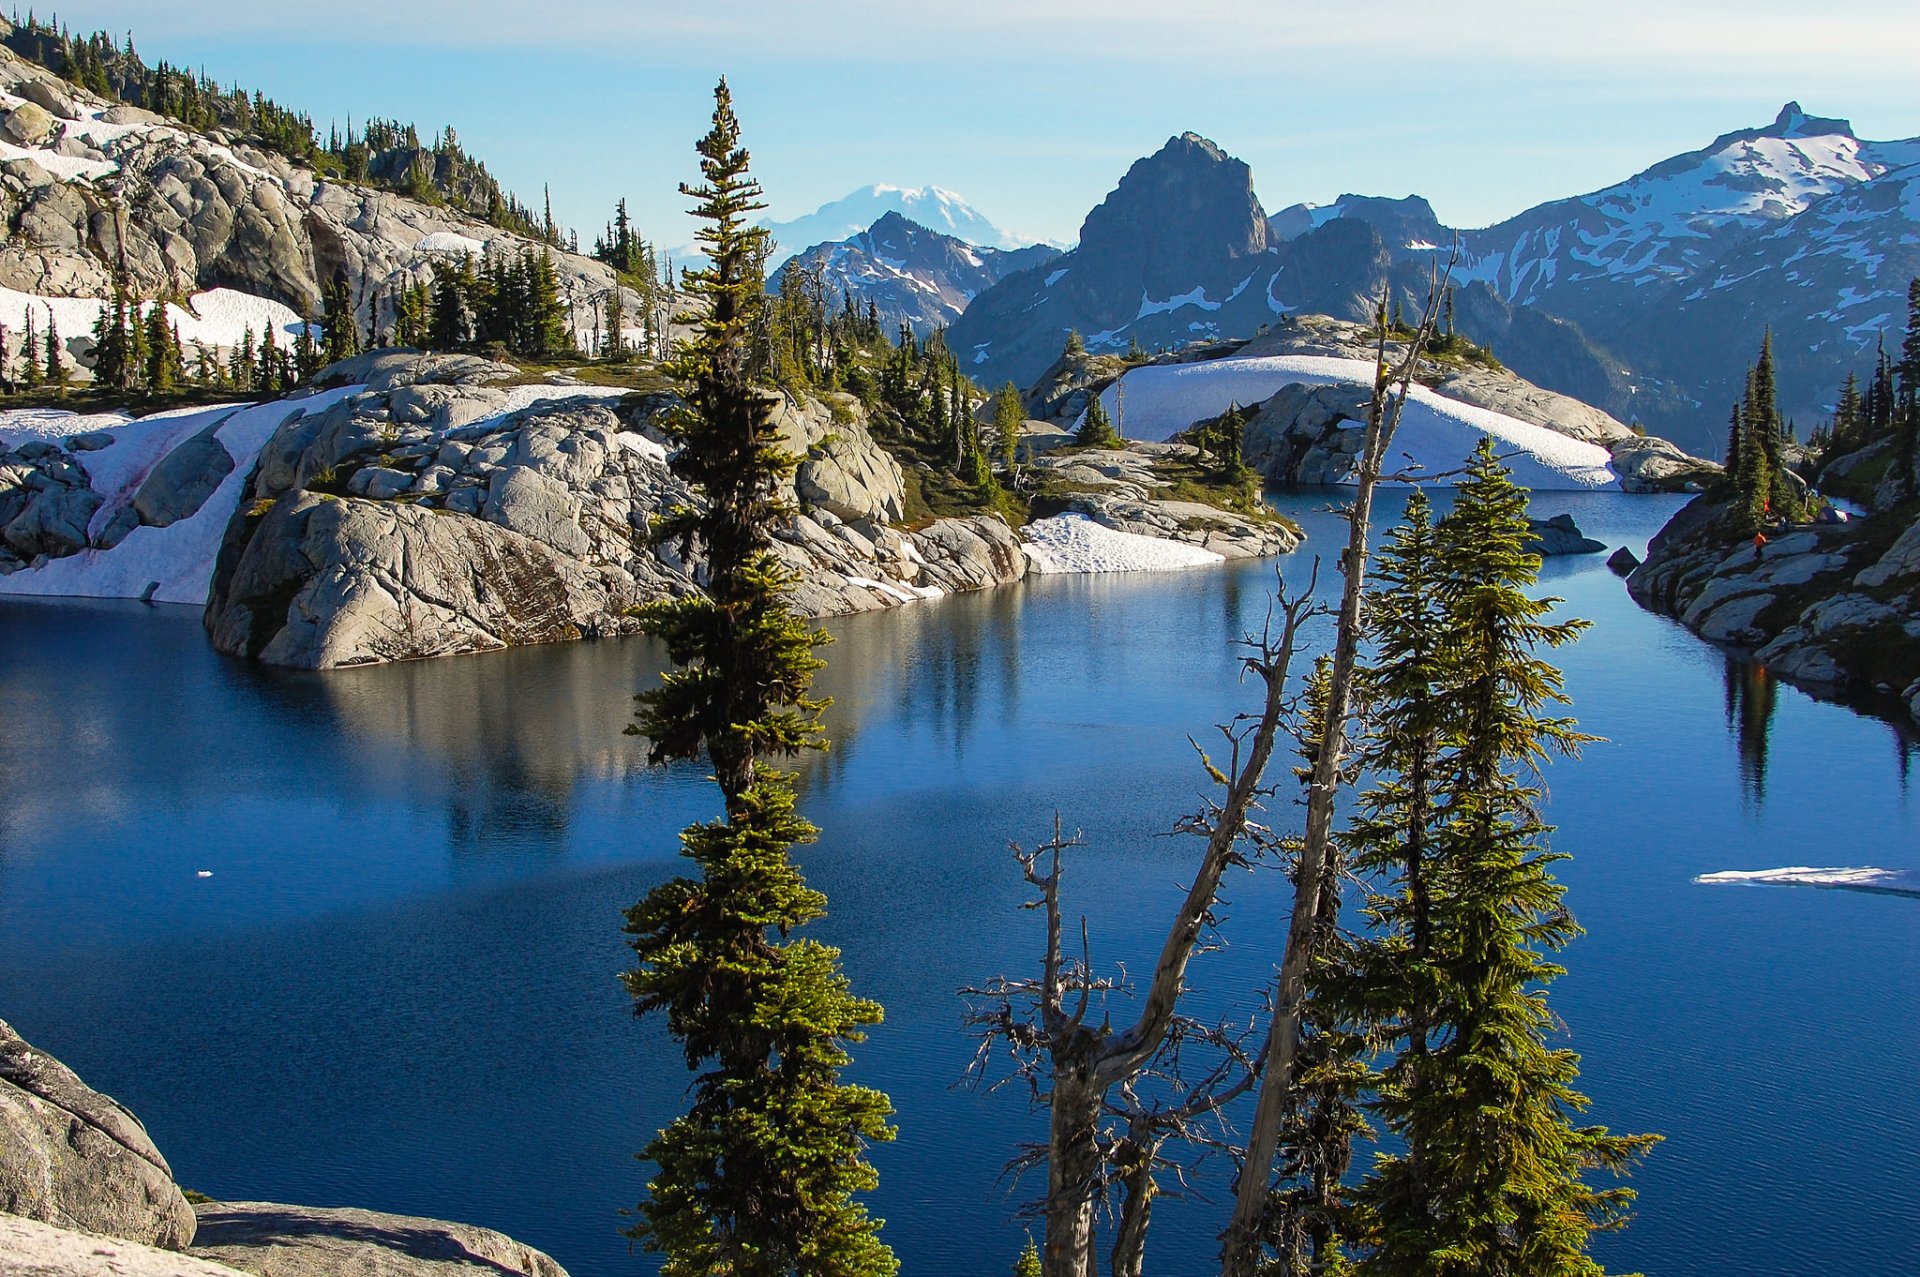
point(1833, 608)
point(77, 1159)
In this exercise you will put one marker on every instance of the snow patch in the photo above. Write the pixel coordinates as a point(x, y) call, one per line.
point(1075, 543)
point(1436, 433)
point(176, 561)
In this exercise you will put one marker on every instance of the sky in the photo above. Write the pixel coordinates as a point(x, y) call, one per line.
point(1032, 110)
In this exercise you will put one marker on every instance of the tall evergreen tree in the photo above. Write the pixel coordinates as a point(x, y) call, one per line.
point(1906, 401)
point(759, 1177)
point(340, 335)
point(1009, 414)
point(161, 366)
point(1491, 1178)
point(1096, 428)
point(56, 370)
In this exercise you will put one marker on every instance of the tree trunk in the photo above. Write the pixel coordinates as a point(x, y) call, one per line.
point(1135, 1160)
point(1073, 1164)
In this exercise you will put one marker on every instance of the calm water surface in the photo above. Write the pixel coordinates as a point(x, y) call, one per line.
point(398, 987)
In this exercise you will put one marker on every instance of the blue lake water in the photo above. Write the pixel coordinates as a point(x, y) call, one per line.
point(397, 989)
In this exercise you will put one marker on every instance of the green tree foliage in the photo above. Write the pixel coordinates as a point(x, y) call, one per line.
point(56, 371)
point(1009, 415)
point(1489, 1177)
point(340, 326)
point(1906, 400)
point(1096, 428)
point(759, 1177)
point(1028, 1265)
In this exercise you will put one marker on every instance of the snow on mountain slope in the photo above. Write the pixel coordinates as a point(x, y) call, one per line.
point(1675, 218)
point(1436, 433)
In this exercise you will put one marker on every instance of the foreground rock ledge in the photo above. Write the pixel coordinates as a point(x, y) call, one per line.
point(270, 1240)
point(73, 1157)
point(30, 1248)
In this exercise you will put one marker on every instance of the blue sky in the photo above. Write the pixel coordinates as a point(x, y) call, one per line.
point(1033, 110)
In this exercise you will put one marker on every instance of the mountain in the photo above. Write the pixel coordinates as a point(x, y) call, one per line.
point(1646, 298)
point(1171, 253)
point(1181, 250)
point(912, 274)
point(930, 206)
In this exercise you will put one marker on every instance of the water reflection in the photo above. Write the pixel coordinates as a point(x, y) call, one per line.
point(1752, 694)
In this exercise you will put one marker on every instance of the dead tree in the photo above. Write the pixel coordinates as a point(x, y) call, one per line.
point(1077, 1066)
point(1318, 860)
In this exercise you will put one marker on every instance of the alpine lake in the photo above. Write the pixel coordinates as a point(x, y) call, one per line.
point(397, 986)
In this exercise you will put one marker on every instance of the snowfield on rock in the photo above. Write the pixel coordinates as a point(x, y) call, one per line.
point(1075, 543)
point(1436, 433)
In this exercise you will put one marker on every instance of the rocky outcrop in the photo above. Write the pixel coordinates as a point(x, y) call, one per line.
point(1126, 489)
point(270, 1240)
point(29, 1248)
point(84, 1193)
point(215, 212)
point(433, 513)
point(1560, 535)
point(1833, 608)
point(72, 1157)
point(46, 504)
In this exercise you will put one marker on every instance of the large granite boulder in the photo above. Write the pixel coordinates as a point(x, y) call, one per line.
point(324, 582)
point(29, 1248)
point(270, 1240)
point(183, 480)
point(73, 1157)
point(842, 470)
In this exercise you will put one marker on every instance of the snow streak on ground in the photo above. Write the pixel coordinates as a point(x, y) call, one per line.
point(1075, 543)
point(1899, 882)
point(1436, 433)
point(176, 561)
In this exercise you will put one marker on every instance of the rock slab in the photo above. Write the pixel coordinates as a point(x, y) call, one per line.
point(270, 1240)
point(73, 1157)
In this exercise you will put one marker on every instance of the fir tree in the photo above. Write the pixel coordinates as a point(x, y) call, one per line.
point(1096, 428)
point(1009, 415)
point(1491, 1178)
point(1028, 1265)
point(340, 335)
point(56, 371)
point(758, 1178)
point(160, 365)
point(1906, 401)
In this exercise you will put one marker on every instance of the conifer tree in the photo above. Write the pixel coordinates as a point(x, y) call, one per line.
point(1906, 403)
point(1009, 414)
point(56, 370)
point(340, 334)
point(759, 1177)
point(1096, 428)
point(1491, 1178)
point(158, 343)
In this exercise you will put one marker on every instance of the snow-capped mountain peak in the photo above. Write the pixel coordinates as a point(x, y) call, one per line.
point(934, 207)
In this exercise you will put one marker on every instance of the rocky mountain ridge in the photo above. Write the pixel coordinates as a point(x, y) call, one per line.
point(1643, 298)
point(910, 274)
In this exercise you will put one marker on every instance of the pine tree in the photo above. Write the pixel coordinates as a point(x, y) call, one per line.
point(1848, 418)
point(1028, 1265)
point(616, 339)
point(758, 1178)
point(1490, 1180)
point(1009, 415)
point(340, 336)
point(1736, 441)
point(56, 370)
point(1906, 403)
point(1096, 428)
point(158, 351)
